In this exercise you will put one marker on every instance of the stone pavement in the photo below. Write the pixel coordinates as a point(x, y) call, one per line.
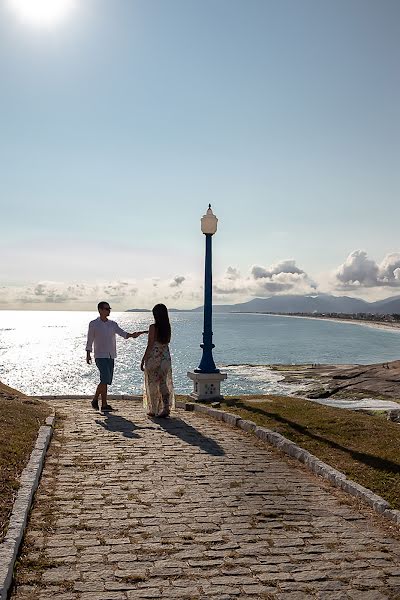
point(190, 508)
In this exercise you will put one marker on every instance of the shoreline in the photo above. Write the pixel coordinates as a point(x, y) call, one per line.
point(373, 324)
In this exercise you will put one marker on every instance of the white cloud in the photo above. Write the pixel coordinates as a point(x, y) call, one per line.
point(47, 294)
point(232, 273)
point(122, 294)
point(389, 269)
point(359, 271)
point(177, 281)
point(285, 266)
point(231, 283)
point(281, 277)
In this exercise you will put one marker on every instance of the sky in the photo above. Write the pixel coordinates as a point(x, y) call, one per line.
point(121, 121)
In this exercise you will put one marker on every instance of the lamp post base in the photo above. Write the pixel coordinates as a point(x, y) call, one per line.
point(206, 386)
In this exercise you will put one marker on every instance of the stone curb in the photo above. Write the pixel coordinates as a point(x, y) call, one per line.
point(28, 483)
point(315, 465)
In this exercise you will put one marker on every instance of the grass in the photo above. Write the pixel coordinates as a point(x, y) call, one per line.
point(363, 446)
point(20, 419)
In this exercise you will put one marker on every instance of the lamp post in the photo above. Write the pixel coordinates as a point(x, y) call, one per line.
point(207, 378)
point(208, 227)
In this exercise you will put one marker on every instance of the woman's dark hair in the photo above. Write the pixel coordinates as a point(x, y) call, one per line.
point(163, 328)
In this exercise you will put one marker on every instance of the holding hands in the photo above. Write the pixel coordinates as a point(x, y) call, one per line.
point(136, 334)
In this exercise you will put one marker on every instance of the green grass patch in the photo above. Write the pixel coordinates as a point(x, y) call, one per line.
point(363, 446)
point(20, 419)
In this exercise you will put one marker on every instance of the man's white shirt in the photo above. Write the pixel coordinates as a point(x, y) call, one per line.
point(102, 333)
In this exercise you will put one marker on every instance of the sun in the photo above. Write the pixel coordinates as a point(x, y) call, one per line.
point(42, 13)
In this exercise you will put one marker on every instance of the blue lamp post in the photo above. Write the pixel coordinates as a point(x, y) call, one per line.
point(207, 378)
point(207, 364)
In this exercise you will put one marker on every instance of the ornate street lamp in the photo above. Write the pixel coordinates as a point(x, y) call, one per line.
point(207, 378)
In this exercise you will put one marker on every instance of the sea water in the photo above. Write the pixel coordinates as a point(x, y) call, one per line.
point(44, 352)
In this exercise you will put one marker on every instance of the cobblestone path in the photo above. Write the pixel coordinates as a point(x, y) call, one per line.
point(190, 508)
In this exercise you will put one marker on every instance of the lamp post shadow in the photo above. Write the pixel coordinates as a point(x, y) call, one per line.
point(190, 435)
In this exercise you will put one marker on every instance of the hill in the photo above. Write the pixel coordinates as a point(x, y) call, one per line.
point(319, 303)
point(296, 303)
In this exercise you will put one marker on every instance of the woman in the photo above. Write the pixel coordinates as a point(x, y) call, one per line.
point(158, 395)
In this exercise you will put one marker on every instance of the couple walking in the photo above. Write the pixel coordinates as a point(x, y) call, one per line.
point(158, 392)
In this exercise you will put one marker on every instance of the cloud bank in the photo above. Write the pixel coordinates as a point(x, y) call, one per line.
point(122, 294)
point(282, 277)
point(360, 271)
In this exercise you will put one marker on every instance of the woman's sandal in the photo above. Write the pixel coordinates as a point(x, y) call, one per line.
point(166, 410)
point(150, 414)
point(163, 414)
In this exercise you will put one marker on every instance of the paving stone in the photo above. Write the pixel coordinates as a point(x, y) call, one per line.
point(310, 576)
point(371, 595)
point(61, 552)
point(258, 590)
point(103, 596)
point(60, 575)
point(292, 596)
point(190, 508)
point(149, 593)
point(332, 596)
point(92, 586)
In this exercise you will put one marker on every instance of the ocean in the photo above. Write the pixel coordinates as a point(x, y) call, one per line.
point(44, 352)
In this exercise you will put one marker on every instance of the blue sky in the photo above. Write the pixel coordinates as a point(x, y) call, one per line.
point(120, 124)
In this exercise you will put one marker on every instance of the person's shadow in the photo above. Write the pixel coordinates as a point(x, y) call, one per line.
point(190, 435)
point(116, 423)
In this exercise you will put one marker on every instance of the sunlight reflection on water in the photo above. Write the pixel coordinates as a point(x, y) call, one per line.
point(44, 352)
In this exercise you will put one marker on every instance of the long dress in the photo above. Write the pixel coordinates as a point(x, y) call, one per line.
point(158, 385)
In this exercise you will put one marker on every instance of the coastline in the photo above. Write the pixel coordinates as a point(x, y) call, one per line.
point(373, 324)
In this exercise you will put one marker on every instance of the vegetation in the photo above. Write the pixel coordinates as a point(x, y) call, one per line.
point(20, 419)
point(365, 447)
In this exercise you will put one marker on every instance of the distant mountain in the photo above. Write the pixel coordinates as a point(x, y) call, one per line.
point(388, 306)
point(295, 303)
point(320, 303)
point(147, 310)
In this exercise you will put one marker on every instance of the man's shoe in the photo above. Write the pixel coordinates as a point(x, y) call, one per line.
point(95, 404)
point(107, 408)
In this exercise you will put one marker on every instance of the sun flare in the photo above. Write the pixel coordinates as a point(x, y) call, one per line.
point(42, 13)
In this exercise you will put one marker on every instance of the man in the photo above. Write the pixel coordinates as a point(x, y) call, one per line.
point(102, 332)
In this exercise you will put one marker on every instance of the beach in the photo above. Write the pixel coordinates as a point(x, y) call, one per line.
point(365, 323)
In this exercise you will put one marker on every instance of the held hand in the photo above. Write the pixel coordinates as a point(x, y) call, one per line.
point(142, 365)
point(136, 334)
point(88, 358)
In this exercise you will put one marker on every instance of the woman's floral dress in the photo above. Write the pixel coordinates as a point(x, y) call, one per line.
point(158, 379)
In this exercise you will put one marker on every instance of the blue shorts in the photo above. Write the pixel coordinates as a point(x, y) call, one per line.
point(106, 368)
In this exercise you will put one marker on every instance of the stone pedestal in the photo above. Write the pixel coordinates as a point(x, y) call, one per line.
point(206, 386)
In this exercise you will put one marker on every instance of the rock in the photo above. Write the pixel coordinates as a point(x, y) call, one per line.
point(394, 415)
point(323, 393)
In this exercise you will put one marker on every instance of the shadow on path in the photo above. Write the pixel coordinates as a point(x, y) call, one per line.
point(119, 424)
point(190, 435)
point(371, 460)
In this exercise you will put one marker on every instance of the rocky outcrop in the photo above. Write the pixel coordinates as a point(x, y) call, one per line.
point(323, 381)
